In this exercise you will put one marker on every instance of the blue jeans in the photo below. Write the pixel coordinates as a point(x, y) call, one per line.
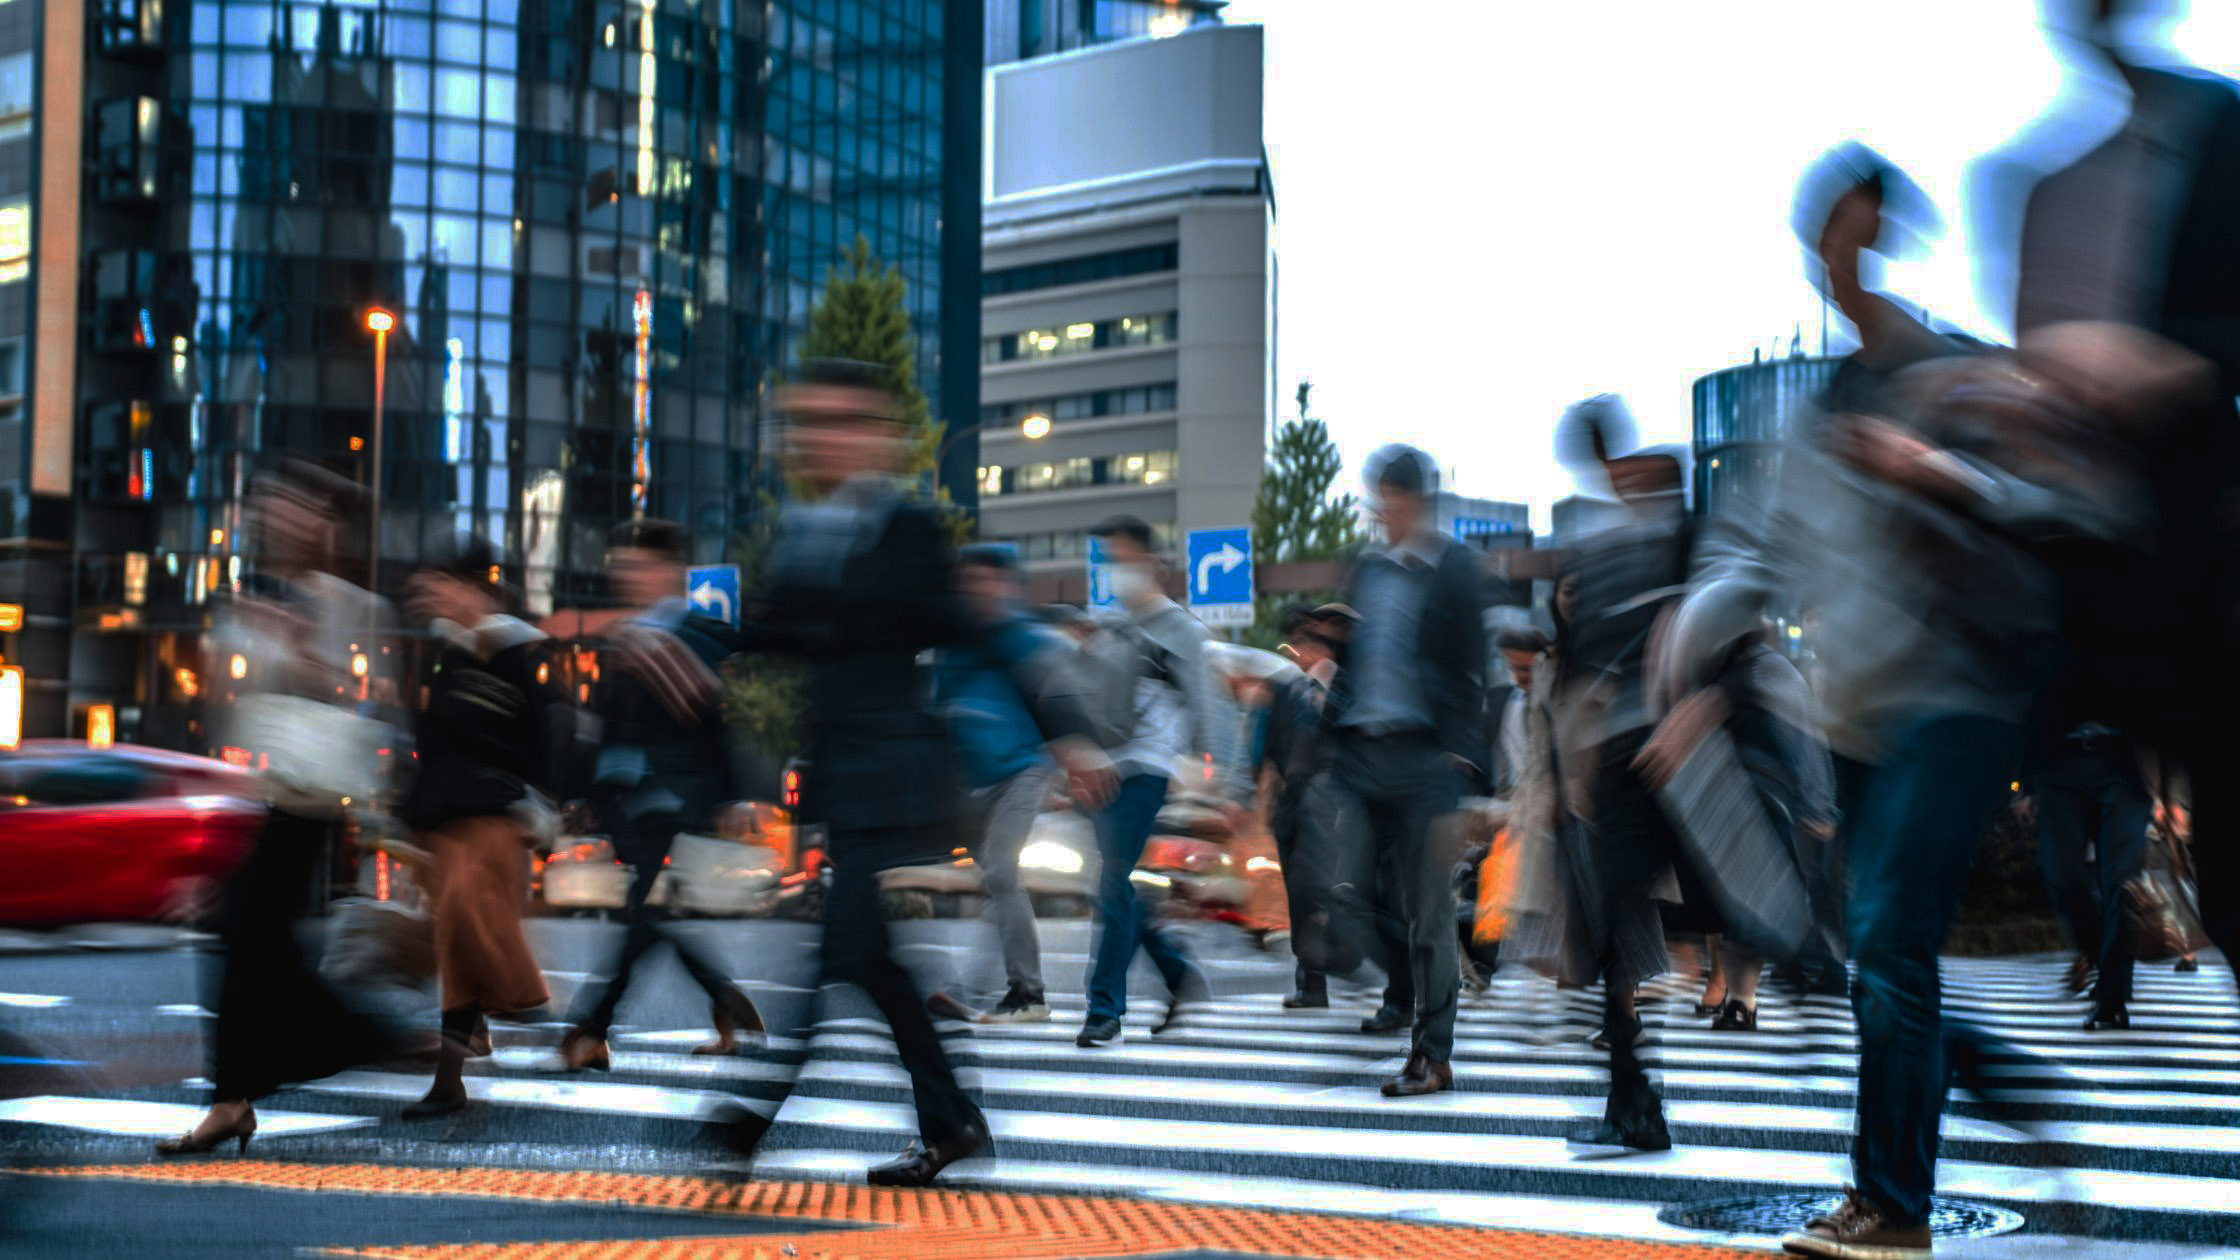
point(1123, 827)
point(1914, 822)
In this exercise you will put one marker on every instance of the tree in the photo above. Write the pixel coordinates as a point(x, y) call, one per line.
point(1297, 518)
point(861, 314)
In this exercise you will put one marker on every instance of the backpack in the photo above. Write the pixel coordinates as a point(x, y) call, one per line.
point(1114, 664)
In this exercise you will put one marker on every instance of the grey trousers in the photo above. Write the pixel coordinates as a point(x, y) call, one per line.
point(1011, 808)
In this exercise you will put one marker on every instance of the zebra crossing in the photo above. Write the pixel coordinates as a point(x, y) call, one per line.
point(2132, 1134)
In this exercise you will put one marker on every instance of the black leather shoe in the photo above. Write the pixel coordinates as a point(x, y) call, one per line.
point(1388, 1019)
point(920, 1164)
point(1644, 1136)
point(1098, 1031)
point(1420, 1075)
point(2188, 964)
point(1307, 999)
point(2108, 1019)
point(1736, 1017)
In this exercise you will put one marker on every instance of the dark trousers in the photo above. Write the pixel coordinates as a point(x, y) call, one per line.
point(1305, 890)
point(859, 951)
point(1633, 844)
point(2089, 794)
point(1404, 788)
point(277, 1021)
point(1913, 824)
point(644, 848)
point(1123, 923)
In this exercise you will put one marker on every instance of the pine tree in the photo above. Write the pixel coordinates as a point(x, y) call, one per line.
point(1296, 518)
point(860, 314)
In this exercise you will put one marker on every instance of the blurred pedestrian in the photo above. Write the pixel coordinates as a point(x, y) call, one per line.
point(1297, 753)
point(665, 766)
point(293, 637)
point(483, 749)
point(1161, 704)
point(1406, 708)
point(1007, 765)
point(861, 582)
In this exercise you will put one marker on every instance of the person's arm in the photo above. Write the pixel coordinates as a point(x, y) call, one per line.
point(1214, 726)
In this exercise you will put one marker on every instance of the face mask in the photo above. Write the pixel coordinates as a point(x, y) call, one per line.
point(1131, 583)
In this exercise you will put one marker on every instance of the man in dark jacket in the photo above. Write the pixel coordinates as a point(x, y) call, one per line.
point(861, 583)
point(663, 767)
point(1298, 751)
point(1405, 712)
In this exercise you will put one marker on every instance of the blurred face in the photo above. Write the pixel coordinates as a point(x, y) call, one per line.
point(1136, 576)
point(1567, 598)
point(641, 578)
point(431, 597)
point(988, 590)
point(1520, 665)
point(1400, 512)
point(292, 532)
point(836, 433)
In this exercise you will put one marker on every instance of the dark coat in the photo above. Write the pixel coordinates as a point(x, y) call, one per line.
point(1297, 749)
point(881, 764)
point(652, 763)
point(1451, 652)
point(485, 737)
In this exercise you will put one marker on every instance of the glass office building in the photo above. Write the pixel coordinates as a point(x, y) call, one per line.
point(598, 225)
point(1741, 416)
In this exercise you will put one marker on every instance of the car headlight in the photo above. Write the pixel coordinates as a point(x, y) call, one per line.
point(1049, 855)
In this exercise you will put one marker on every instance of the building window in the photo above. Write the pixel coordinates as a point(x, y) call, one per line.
point(15, 240)
point(18, 85)
point(130, 25)
point(1142, 260)
point(1074, 544)
point(1134, 400)
point(124, 295)
point(1080, 338)
point(128, 151)
point(1141, 468)
point(1030, 29)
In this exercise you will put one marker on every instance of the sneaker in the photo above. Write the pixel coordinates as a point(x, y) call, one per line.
point(2113, 1017)
point(1099, 1031)
point(1019, 1006)
point(1857, 1230)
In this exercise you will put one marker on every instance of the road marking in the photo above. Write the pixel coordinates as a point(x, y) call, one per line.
point(150, 1119)
point(598, 1096)
point(916, 1224)
point(33, 1000)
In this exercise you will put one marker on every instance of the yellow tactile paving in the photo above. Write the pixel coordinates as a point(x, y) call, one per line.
point(912, 1224)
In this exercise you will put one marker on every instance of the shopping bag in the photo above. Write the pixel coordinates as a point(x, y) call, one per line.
point(2164, 908)
point(1497, 877)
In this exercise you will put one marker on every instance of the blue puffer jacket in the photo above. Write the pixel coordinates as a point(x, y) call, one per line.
point(995, 732)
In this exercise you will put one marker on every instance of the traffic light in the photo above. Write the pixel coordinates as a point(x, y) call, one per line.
point(11, 705)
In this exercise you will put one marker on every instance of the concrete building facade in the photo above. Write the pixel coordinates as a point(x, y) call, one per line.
point(1128, 292)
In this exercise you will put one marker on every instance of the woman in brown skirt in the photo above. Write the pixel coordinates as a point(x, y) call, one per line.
point(483, 758)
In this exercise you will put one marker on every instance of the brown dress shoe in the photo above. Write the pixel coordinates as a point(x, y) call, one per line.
point(580, 1050)
point(1422, 1074)
point(1857, 1230)
point(923, 1161)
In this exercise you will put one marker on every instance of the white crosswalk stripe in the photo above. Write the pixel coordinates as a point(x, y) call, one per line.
point(2133, 1133)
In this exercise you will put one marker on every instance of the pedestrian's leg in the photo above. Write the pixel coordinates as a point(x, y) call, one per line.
point(643, 933)
point(2064, 817)
point(1388, 914)
point(2125, 813)
point(857, 951)
point(1430, 842)
point(1011, 818)
point(1122, 829)
point(1911, 848)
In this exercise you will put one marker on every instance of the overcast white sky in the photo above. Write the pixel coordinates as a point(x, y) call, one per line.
point(1486, 211)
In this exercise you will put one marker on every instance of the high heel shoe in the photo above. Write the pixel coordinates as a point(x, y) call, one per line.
point(240, 1131)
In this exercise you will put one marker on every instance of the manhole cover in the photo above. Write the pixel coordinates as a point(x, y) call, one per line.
point(1775, 1214)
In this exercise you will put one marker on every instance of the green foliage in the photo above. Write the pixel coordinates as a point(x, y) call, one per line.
point(1297, 517)
point(861, 314)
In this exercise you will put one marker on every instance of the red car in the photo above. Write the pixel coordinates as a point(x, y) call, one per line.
point(118, 834)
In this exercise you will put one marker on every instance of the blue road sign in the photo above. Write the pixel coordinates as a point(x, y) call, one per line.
point(1100, 576)
point(714, 590)
point(1220, 567)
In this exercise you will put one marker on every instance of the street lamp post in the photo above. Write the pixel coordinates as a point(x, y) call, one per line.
point(1034, 428)
point(378, 321)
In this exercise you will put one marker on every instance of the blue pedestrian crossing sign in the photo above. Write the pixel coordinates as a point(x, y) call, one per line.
point(1100, 577)
point(1220, 569)
point(713, 590)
